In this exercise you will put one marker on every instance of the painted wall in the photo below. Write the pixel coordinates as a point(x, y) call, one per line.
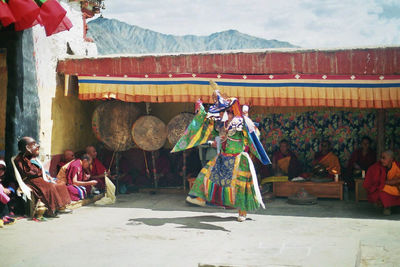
point(3, 98)
point(72, 122)
point(63, 119)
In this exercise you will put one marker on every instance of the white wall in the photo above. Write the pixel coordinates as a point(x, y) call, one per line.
point(47, 52)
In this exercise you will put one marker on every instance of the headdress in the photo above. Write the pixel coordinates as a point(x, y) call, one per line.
point(222, 103)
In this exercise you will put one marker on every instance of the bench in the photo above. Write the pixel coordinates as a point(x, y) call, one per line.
point(321, 190)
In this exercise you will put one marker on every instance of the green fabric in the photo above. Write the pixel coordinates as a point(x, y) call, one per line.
point(234, 147)
point(40, 2)
point(244, 196)
point(199, 123)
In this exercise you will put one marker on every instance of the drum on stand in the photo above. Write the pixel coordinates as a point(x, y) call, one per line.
point(150, 133)
point(175, 129)
point(112, 122)
point(177, 126)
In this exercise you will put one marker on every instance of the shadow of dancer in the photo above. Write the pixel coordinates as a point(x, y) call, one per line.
point(196, 222)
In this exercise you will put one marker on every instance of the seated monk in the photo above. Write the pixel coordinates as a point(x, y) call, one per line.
point(327, 159)
point(285, 162)
point(361, 159)
point(54, 196)
point(382, 182)
point(78, 178)
point(97, 168)
point(67, 157)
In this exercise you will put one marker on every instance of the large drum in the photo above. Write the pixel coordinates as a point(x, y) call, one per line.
point(177, 126)
point(112, 122)
point(149, 133)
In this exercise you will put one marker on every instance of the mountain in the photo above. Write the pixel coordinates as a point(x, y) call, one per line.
point(116, 37)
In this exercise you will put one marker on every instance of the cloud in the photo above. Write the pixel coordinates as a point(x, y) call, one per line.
point(307, 23)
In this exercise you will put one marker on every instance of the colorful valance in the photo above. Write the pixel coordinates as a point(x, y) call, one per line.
point(372, 91)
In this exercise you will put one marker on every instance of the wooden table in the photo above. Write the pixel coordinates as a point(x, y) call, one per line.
point(321, 190)
point(361, 194)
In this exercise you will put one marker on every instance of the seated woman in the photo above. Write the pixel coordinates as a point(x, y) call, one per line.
point(327, 159)
point(285, 162)
point(361, 159)
point(382, 182)
point(78, 178)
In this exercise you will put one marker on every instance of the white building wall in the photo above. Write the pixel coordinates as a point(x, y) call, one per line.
point(48, 50)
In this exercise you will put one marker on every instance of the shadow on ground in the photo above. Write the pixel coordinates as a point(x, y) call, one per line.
point(325, 208)
point(196, 222)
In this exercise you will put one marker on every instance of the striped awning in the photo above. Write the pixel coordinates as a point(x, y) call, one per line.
point(369, 91)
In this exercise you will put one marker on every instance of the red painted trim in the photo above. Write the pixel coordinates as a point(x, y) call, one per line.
point(253, 77)
point(374, 61)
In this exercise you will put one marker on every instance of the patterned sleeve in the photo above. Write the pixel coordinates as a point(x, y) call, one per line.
point(198, 132)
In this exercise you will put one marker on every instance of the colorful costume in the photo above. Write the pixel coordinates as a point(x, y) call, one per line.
point(229, 179)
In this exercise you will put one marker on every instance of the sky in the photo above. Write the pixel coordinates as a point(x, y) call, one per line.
point(305, 23)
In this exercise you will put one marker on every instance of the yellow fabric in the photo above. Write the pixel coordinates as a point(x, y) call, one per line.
point(379, 97)
point(62, 174)
point(331, 163)
point(272, 179)
point(109, 197)
point(283, 164)
point(393, 173)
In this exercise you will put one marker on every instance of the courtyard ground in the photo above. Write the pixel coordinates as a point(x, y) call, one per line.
point(160, 229)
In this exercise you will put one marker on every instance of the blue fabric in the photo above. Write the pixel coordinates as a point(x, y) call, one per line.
point(260, 149)
point(221, 104)
point(222, 171)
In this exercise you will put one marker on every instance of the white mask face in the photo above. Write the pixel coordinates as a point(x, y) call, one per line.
point(225, 117)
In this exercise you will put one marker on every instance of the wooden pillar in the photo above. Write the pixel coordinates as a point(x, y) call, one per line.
point(380, 138)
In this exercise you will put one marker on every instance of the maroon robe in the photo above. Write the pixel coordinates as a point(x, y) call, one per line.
point(295, 168)
point(75, 192)
point(374, 182)
point(97, 168)
point(364, 161)
point(54, 196)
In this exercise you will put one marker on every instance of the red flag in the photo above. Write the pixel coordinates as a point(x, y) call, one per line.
point(51, 16)
point(6, 17)
point(25, 13)
point(65, 25)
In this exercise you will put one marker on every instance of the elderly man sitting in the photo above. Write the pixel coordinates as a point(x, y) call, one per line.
point(382, 182)
point(54, 196)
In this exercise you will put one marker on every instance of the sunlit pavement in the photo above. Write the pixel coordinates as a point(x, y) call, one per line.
point(162, 230)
